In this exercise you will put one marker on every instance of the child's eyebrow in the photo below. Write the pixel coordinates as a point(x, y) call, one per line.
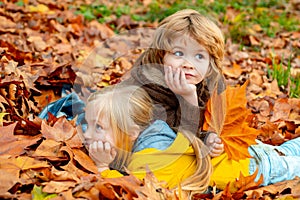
point(177, 47)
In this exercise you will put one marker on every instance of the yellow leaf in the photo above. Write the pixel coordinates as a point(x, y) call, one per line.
point(41, 8)
point(1, 118)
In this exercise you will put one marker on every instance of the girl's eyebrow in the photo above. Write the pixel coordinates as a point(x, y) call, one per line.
point(177, 47)
point(197, 50)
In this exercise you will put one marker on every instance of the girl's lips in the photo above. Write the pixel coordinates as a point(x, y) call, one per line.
point(188, 75)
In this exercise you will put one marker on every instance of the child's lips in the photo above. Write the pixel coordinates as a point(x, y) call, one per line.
point(189, 75)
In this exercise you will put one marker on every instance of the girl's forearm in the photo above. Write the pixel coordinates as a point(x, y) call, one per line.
point(192, 99)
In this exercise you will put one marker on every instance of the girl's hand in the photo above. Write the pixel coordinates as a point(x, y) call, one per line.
point(215, 145)
point(102, 153)
point(178, 84)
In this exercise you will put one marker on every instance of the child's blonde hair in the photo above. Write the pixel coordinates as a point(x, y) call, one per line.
point(124, 107)
point(187, 23)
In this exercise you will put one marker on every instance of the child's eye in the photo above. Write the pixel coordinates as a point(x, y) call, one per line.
point(199, 56)
point(98, 127)
point(178, 53)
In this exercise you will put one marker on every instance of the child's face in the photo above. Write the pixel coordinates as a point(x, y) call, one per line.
point(99, 129)
point(187, 54)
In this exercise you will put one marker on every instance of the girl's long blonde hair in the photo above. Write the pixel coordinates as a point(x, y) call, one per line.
point(126, 106)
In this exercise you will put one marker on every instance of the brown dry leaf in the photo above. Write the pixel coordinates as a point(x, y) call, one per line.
point(63, 175)
point(255, 77)
point(153, 188)
point(254, 41)
point(281, 110)
point(125, 187)
point(58, 186)
point(8, 180)
point(50, 150)
point(14, 145)
point(236, 134)
point(62, 130)
point(13, 166)
point(84, 160)
point(38, 43)
point(277, 188)
point(234, 72)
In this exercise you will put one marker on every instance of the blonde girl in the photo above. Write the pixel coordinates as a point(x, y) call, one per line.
point(121, 136)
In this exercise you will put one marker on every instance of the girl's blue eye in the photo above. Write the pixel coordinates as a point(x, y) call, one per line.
point(98, 127)
point(178, 53)
point(199, 56)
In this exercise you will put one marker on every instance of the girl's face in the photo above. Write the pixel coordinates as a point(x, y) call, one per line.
point(99, 129)
point(187, 54)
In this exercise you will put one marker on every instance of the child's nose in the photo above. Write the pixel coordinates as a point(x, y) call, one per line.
point(187, 64)
point(88, 134)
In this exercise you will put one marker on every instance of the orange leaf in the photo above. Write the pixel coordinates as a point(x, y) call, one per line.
point(236, 134)
point(248, 182)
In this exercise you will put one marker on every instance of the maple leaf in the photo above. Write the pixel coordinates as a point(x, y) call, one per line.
point(236, 134)
point(246, 183)
point(61, 131)
point(13, 144)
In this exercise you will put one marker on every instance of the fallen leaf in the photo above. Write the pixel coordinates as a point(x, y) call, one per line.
point(62, 130)
point(58, 186)
point(234, 71)
point(281, 110)
point(236, 134)
point(14, 145)
point(85, 161)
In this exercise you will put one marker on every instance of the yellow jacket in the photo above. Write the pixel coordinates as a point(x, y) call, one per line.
point(171, 165)
point(225, 171)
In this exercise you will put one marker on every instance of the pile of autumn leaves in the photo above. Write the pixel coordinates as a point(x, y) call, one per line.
point(45, 158)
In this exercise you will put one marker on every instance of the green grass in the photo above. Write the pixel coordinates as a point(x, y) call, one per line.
point(285, 80)
point(260, 12)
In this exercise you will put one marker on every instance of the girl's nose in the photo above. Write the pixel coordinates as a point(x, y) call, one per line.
point(187, 65)
point(88, 134)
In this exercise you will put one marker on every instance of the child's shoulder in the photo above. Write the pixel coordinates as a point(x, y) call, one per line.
point(157, 135)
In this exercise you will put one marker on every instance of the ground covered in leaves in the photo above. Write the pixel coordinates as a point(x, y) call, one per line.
point(45, 47)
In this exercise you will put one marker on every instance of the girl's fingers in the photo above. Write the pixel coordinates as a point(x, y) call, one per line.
point(107, 146)
point(176, 78)
point(183, 81)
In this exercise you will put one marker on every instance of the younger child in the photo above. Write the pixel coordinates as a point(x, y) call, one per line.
point(122, 135)
point(181, 69)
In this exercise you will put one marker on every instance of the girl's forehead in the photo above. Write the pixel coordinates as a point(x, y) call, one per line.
point(186, 40)
point(92, 111)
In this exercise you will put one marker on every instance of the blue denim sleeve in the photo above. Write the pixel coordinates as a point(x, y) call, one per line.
point(276, 163)
point(158, 135)
point(70, 106)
